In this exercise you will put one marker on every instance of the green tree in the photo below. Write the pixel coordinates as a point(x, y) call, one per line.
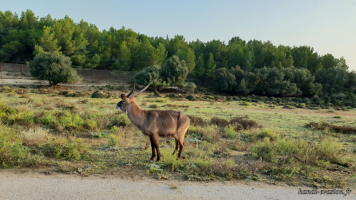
point(199, 69)
point(47, 42)
point(172, 73)
point(54, 67)
point(210, 66)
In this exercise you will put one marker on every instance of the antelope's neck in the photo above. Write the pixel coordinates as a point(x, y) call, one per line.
point(136, 114)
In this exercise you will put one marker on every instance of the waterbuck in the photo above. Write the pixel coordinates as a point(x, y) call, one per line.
point(155, 123)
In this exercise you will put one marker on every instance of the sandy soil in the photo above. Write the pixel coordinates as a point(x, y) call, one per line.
point(28, 185)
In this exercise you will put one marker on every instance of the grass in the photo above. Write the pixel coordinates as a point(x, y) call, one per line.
point(251, 140)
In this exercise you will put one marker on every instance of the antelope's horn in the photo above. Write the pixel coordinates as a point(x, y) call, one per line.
point(128, 95)
point(142, 90)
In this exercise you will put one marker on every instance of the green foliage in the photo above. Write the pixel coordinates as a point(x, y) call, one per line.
point(120, 120)
point(230, 131)
point(114, 140)
point(69, 149)
point(264, 69)
point(172, 73)
point(53, 67)
point(272, 135)
point(13, 153)
point(330, 149)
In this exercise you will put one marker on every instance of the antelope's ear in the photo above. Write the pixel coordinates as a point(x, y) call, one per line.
point(123, 97)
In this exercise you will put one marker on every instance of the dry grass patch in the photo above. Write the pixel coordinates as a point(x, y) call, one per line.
point(34, 136)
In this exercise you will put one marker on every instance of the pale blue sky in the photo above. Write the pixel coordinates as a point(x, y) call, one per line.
point(327, 25)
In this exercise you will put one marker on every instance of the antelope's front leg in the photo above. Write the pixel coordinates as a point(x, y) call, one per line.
point(153, 148)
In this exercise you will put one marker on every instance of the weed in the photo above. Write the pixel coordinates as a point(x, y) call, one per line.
point(272, 135)
point(230, 132)
point(69, 149)
point(120, 120)
point(13, 153)
point(34, 136)
point(153, 106)
point(330, 150)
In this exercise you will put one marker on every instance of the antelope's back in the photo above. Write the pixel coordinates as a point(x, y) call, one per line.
point(167, 121)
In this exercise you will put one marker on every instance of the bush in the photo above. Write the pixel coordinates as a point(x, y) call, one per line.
point(267, 133)
point(13, 153)
point(230, 132)
point(330, 150)
point(265, 150)
point(34, 136)
point(69, 149)
point(114, 139)
point(100, 94)
point(219, 122)
point(153, 106)
point(172, 73)
point(121, 120)
point(54, 67)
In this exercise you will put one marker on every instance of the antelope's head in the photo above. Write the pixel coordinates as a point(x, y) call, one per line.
point(128, 100)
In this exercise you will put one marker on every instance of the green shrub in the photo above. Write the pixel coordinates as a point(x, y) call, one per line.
point(21, 118)
point(121, 120)
point(269, 134)
point(69, 149)
point(337, 117)
point(13, 153)
point(114, 139)
point(90, 124)
point(265, 150)
point(159, 100)
point(54, 67)
point(230, 131)
point(244, 103)
point(171, 162)
point(153, 106)
point(46, 119)
point(329, 150)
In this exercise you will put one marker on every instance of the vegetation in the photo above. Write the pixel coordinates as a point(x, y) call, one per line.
point(237, 67)
point(261, 142)
point(54, 67)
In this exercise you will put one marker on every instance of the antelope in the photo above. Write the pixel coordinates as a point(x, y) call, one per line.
point(156, 123)
point(222, 99)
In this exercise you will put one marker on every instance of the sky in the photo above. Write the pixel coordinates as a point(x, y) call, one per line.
point(329, 26)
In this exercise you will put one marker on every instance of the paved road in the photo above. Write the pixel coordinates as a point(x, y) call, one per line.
point(73, 187)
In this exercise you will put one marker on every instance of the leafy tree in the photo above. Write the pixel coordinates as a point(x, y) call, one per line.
point(333, 80)
point(78, 60)
point(124, 57)
point(172, 73)
point(224, 80)
point(188, 56)
point(210, 66)
point(199, 69)
point(47, 42)
point(54, 67)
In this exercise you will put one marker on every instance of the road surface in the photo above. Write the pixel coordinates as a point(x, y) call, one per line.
point(59, 186)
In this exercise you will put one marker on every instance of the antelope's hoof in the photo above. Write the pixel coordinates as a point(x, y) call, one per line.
point(151, 159)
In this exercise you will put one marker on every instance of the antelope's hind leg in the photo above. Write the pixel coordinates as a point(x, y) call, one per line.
point(176, 149)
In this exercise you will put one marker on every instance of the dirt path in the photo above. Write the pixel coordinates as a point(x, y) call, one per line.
point(59, 186)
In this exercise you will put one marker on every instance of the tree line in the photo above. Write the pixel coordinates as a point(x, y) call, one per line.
point(239, 66)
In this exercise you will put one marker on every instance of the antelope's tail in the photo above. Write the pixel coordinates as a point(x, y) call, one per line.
point(188, 133)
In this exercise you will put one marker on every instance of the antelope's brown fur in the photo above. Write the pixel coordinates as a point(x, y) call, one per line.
point(157, 123)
